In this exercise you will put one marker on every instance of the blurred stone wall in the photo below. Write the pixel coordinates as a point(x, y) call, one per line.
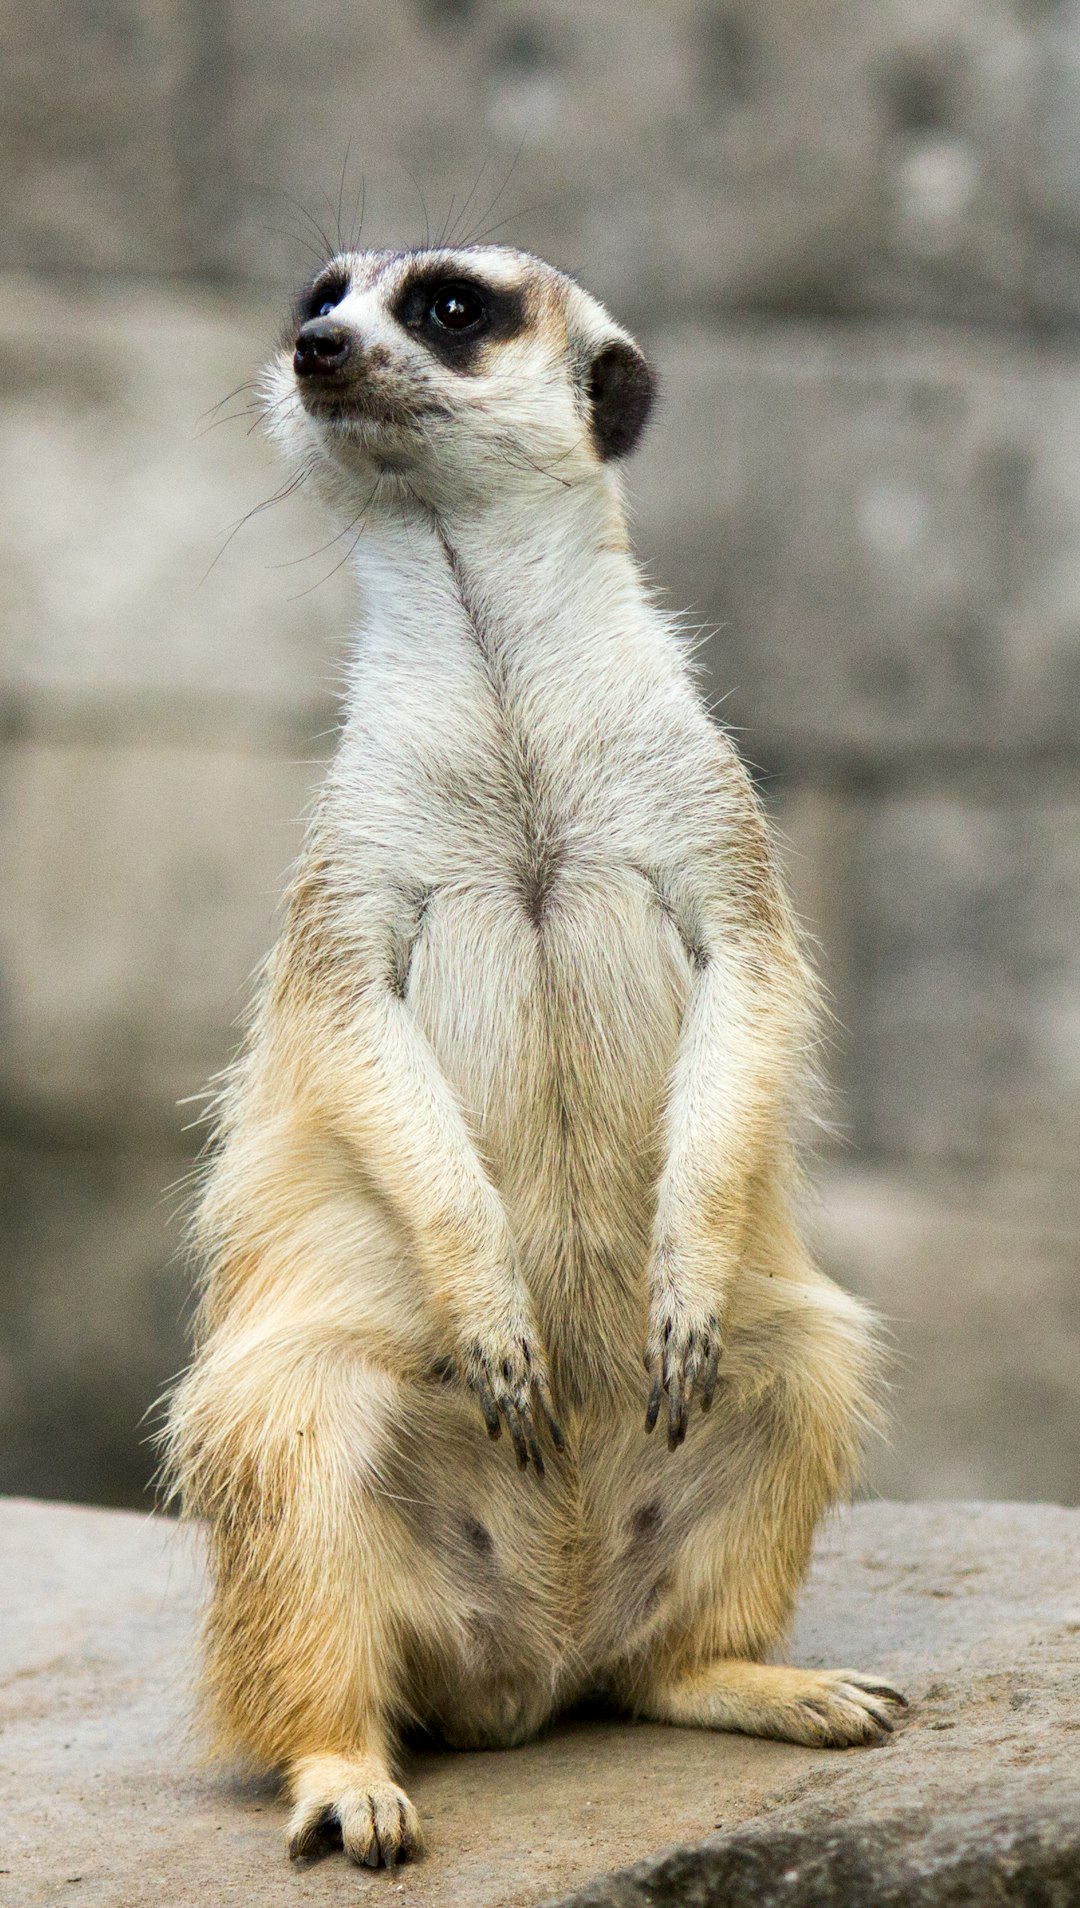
point(850, 237)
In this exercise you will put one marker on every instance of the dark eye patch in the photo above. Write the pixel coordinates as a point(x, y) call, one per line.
point(325, 290)
point(431, 297)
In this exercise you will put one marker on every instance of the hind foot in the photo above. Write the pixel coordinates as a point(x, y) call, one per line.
point(825, 1709)
point(350, 1802)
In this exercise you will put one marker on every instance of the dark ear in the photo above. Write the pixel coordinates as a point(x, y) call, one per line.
point(621, 388)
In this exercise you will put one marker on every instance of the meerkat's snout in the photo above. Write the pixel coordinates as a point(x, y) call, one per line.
point(322, 348)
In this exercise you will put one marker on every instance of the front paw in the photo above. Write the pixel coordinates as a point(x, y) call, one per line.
point(352, 1803)
point(682, 1357)
point(506, 1371)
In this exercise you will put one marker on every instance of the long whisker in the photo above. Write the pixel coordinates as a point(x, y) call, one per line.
point(290, 563)
point(230, 417)
point(341, 195)
point(264, 412)
point(327, 248)
point(359, 209)
point(415, 183)
point(358, 524)
point(324, 194)
point(476, 237)
point(441, 240)
point(514, 454)
point(249, 384)
point(279, 496)
point(468, 199)
point(511, 218)
point(296, 238)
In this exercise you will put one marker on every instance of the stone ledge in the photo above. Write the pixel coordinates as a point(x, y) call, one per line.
point(974, 1609)
point(910, 1860)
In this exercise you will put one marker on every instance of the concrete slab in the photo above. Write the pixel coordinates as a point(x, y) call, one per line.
point(974, 1609)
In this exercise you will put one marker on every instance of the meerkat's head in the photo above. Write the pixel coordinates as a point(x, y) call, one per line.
point(453, 375)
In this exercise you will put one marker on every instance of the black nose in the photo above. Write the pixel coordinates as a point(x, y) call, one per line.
point(320, 346)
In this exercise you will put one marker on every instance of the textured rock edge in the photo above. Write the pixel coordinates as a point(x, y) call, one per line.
point(970, 1859)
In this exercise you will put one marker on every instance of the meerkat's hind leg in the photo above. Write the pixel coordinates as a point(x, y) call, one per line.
point(824, 1709)
point(351, 1802)
point(770, 1463)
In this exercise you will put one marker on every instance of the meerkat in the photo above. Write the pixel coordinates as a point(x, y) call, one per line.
point(512, 1141)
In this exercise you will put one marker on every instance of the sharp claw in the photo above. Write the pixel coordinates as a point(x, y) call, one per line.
point(712, 1369)
point(532, 1441)
point(513, 1425)
point(543, 1399)
point(488, 1407)
point(678, 1411)
point(652, 1411)
point(886, 1690)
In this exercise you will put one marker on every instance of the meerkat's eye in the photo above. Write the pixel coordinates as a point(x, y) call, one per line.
point(457, 308)
point(456, 319)
point(323, 299)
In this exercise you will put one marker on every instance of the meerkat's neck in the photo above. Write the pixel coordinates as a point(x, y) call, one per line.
point(547, 589)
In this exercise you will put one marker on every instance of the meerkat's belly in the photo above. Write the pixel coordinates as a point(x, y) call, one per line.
point(557, 1026)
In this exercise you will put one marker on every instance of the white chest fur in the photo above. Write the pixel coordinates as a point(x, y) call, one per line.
point(527, 797)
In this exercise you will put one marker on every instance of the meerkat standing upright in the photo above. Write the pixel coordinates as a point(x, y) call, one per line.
point(515, 1113)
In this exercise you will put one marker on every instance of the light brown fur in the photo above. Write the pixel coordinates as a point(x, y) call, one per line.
point(515, 1112)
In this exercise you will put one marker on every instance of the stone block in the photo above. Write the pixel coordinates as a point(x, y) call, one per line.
point(140, 893)
point(971, 1608)
point(828, 158)
point(100, 115)
point(93, 1299)
point(744, 172)
point(975, 1279)
point(943, 925)
point(881, 528)
point(831, 157)
point(1048, 170)
point(964, 1022)
point(116, 619)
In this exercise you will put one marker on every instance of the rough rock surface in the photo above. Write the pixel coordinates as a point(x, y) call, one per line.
point(973, 1609)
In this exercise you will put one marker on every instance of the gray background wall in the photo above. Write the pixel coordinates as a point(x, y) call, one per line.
point(849, 235)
